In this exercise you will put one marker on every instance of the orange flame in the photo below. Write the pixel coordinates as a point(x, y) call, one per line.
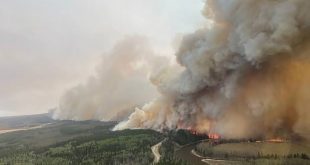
point(214, 136)
point(276, 140)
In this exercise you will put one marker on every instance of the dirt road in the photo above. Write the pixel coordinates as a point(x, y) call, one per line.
point(155, 150)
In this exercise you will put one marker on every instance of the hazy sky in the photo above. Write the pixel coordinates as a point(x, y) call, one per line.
point(48, 46)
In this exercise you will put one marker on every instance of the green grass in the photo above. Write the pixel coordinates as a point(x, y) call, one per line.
point(279, 162)
point(281, 149)
point(257, 152)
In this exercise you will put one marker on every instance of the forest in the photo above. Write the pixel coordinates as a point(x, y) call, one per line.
point(69, 142)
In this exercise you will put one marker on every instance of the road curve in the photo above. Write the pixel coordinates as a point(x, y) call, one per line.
point(185, 153)
point(155, 150)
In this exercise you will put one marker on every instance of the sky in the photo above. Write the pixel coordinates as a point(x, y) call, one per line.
point(48, 46)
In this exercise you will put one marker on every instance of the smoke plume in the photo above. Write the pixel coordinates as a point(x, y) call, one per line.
point(119, 84)
point(246, 74)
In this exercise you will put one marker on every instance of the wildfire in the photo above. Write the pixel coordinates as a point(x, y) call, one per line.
point(193, 132)
point(201, 129)
point(214, 136)
point(197, 133)
point(276, 140)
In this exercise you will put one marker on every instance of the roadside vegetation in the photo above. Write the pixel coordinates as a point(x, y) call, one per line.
point(175, 141)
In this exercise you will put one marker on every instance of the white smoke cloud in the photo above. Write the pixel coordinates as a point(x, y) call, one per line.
point(120, 84)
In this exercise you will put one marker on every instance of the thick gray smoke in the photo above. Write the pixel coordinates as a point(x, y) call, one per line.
point(246, 74)
point(119, 85)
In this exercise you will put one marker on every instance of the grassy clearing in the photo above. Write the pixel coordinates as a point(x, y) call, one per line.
point(257, 152)
point(281, 149)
